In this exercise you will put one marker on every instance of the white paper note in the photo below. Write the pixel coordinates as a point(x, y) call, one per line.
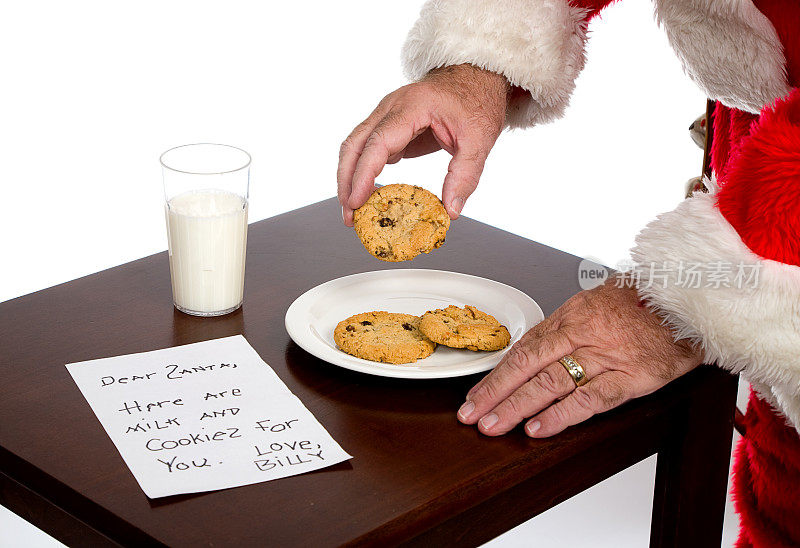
point(204, 416)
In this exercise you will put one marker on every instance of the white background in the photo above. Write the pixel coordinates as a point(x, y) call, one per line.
point(94, 91)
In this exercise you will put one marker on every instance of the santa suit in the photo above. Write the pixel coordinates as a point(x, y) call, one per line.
point(745, 54)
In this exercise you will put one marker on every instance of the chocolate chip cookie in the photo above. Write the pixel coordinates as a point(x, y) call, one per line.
point(398, 222)
point(465, 327)
point(383, 337)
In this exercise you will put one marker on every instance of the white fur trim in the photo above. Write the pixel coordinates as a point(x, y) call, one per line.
point(729, 48)
point(753, 330)
point(537, 45)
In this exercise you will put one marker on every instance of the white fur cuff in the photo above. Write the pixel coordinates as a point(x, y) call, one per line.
point(537, 45)
point(749, 324)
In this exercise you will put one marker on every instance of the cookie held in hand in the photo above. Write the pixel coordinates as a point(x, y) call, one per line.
point(465, 327)
point(398, 222)
point(383, 337)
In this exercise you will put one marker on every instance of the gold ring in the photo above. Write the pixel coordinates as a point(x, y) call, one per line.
point(575, 370)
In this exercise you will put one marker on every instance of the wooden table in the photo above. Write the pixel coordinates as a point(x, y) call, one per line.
point(418, 476)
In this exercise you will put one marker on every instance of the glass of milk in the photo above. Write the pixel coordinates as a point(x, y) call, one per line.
point(206, 188)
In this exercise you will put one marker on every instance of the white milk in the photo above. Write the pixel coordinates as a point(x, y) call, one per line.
point(207, 233)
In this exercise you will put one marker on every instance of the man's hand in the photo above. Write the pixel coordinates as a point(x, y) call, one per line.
point(460, 109)
point(623, 347)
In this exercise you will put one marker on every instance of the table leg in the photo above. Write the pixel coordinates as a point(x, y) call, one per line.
point(692, 471)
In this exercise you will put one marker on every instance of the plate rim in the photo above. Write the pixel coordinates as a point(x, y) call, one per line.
point(368, 368)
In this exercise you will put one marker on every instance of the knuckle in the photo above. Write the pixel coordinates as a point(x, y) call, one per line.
point(559, 415)
point(544, 346)
point(517, 360)
point(514, 405)
point(364, 126)
point(413, 93)
point(488, 391)
point(389, 98)
point(614, 394)
point(386, 99)
point(547, 382)
point(585, 399)
point(394, 117)
point(542, 327)
point(576, 301)
point(375, 140)
point(346, 146)
point(425, 87)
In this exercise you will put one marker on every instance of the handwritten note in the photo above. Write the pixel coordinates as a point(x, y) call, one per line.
point(204, 416)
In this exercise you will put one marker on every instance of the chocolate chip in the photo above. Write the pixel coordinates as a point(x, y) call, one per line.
point(386, 222)
point(382, 253)
point(439, 243)
point(365, 322)
point(407, 327)
point(350, 328)
point(390, 202)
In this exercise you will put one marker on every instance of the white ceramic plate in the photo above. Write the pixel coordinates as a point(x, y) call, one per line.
point(313, 316)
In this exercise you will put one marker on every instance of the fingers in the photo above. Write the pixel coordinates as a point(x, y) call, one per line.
point(546, 326)
point(601, 393)
point(463, 175)
point(392, 134)
point(350, 152)
point(524, 361)
point(347, 216)
point(550, 384)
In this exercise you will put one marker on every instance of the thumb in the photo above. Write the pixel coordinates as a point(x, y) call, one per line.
point(462, 178)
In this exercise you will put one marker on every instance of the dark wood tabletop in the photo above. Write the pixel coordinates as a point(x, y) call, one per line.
point(417, 476)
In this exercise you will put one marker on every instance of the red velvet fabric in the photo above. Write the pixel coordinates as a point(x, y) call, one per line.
point(766, 479)
point(756, 159)
point(757, 163)
point(730, 127)
point(760, 177)
point(785, 17)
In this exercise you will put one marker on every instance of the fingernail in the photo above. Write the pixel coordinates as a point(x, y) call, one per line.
point(466, 410)
point(489, 420)
point(532, 427)
point(457, 204)
point(343, 218)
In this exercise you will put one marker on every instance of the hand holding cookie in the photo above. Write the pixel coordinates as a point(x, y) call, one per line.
point(459, 108)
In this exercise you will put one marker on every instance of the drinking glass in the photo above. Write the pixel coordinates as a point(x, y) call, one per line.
point(206, 189)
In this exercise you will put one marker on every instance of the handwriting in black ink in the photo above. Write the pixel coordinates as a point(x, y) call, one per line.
point(220, 413)
point(108, 380)
point(233, 392)
point(144, 426)
point(277, 427)
point(174, 373)
point(146, 408)
point(181, 466)
point(157, 444)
